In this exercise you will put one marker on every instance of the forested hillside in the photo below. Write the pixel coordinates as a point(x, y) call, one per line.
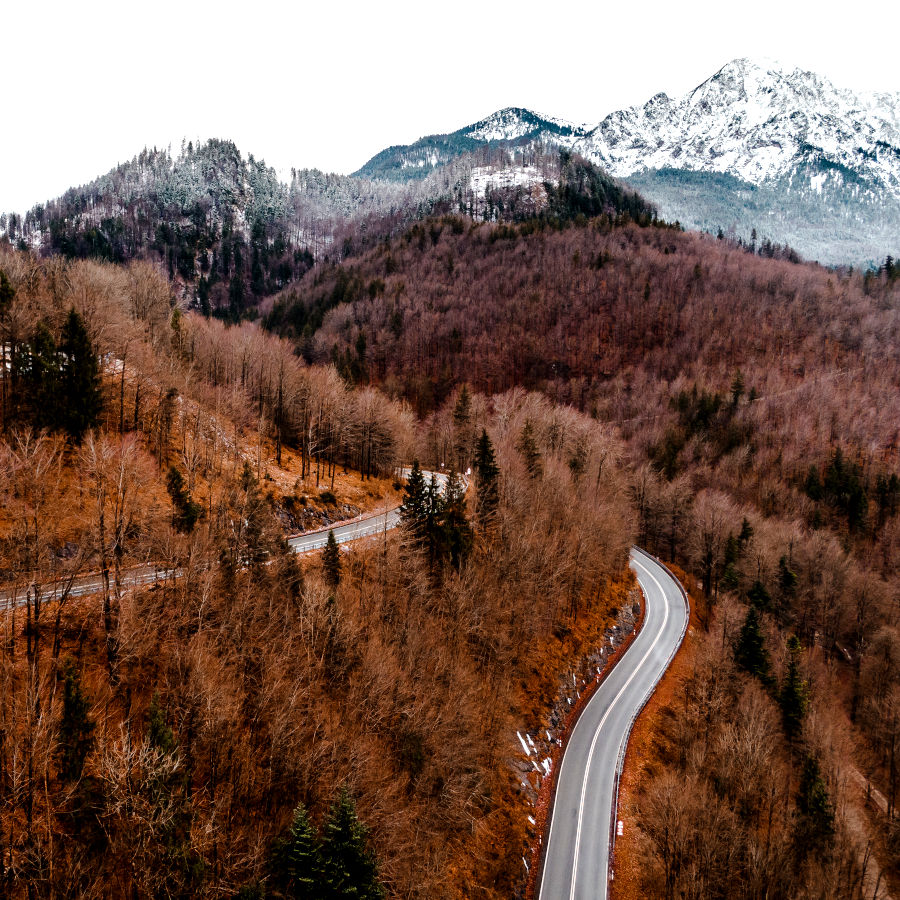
point(262, 720)
point(253, 720)
point(758, 400)
point(230, 233)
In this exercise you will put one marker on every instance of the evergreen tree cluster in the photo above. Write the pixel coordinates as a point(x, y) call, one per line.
point(813, 826)
point(334, 865)
point(751, 655)
point(436, 522)
point(843, 486)
point(585, 190)
point(711, 416)
point(54, 384)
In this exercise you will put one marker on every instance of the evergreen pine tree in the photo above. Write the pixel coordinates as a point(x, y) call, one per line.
point(487, 480)
point(759, 596)
point(737, 388)
point(36, 366)
point(413, 508)
point(432, 523)
point(527, 446)
point(814, 825)
point(296, 863)
point(331, 561)
point(787, 580)
point(349, 868)
point(457, 530)
point(730, 556)
point(185, 511)
point(76, 729)
point(793, 696)
point(159, 735)
point(80, 398)
point(813, 484)
point(7, 292)
point(462, 414)
point(750, 652)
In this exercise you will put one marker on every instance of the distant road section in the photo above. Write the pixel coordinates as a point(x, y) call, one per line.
point(365, 526)
point(582, 828)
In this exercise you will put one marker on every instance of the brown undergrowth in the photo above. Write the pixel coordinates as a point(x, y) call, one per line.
point(547, 785)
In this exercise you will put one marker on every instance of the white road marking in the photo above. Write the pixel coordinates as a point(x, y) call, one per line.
point(587, 769)
point(637, 668)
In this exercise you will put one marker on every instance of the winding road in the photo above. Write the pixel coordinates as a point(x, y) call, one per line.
point(579, 841)
point(581, 835)
point(134, 576)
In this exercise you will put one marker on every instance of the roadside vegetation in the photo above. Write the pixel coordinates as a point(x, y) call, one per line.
point(266, 721)
point(601, 378)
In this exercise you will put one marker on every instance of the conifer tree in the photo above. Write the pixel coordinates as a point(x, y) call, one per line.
point(349, 868)
point(457, 530)
point(527, 446)
point(296, 864)
point(185, 511)
point(37, 364)
point(331, 561)
point(7, 293)
point(737, 388)
point(750, 652)
point(787, 583)
point(793, 696)
point(80, 400)
point(462, 414)
point(814, 825)
point(413, 508)
point(487, 480)
point(730, 556)
point(159, 735)
point(432, 522)
point(759, 596)
point(76, 728)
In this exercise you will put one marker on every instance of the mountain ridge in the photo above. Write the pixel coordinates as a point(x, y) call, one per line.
point(814, 165)
point(756, 151)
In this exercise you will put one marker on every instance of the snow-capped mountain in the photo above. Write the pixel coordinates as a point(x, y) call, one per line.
point(510, 128)
point(755, 121)
point(757, 146)
point(514, 124)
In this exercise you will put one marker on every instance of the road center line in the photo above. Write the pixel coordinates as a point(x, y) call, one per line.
point(599, 728)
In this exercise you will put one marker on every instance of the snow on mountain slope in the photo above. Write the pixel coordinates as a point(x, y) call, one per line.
point(756, 121)
point(512, 124)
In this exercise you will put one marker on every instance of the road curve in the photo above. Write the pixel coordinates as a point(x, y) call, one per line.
point(581, 832)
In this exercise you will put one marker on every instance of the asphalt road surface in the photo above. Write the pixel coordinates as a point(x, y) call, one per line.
point(366, 526)
point(582, 825)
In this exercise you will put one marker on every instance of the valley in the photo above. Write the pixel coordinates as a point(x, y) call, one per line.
point(615, 347)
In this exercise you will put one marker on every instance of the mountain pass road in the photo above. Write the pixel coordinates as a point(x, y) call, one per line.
point(581, 835)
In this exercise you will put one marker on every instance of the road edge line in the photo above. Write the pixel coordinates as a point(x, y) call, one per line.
point(545, 803)
point(623, 750)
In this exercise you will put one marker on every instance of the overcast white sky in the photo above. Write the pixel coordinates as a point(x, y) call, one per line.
point(88, 84)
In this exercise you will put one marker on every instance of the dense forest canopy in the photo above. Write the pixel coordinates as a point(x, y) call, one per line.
point(758, 400)
point(261, 721)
